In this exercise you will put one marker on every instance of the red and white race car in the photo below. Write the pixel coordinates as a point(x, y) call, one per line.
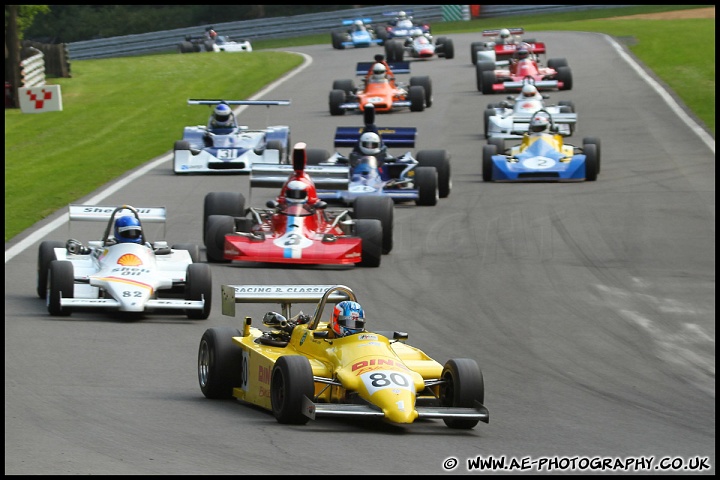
point(523, 67)
point(503, 45)
point(297, 227)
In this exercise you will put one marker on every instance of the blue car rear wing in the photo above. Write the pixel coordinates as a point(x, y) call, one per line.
point(364, 20)
point(392, 137)
point(397, 67)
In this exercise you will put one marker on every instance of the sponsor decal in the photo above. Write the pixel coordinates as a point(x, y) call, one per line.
point(378, 362)
point(129, 271)
point(281, 289)
point(129, 260)
point(365, 336)
point(264, 375)
point(109, 210)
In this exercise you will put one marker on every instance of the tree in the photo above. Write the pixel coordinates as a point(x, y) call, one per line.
point(17, 19)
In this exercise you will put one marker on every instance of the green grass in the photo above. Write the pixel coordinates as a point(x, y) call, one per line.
point(118, 113)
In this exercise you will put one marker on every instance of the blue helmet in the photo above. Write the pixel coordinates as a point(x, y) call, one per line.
point(222, 116)
point(347, 318)
point(128, 230)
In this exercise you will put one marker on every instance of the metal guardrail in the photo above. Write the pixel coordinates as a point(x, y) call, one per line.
point(288, 27)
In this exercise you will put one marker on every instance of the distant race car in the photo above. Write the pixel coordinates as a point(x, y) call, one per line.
point(503, 46)
point(386, 96)
point(130, 278)
point(299, 371)
point(541, 157)
point(292, 230)
point(230, 150)
point(403, 178)
point(402, 26)
point(491, 79)
point(420, 46)
point(510, 118)
point(360, 34)
point(220, 43)
point(404, 37)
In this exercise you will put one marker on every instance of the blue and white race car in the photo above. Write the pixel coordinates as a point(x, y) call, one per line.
point(341, 179)
point(541, 157)
point(230, 150)
point(360, 34)
point(510, 118)
point(421, 179)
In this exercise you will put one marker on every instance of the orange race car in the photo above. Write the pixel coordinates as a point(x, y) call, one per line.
point(380, 88)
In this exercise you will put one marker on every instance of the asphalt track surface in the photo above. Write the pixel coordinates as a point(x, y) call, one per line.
point(590, 307)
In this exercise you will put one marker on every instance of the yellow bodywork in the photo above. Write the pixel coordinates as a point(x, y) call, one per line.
point(555, 139)
point(389, 375)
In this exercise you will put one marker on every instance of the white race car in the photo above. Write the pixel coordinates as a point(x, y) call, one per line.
point(204, 43)
point(510, 118)
point(226, 44)
point(123, 277)
point(232, 150)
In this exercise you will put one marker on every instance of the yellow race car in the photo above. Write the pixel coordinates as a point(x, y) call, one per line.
point(299, 369)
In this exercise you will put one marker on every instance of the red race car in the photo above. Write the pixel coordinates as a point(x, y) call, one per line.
point(523, 68)
point(503, 46)
point(297, 227)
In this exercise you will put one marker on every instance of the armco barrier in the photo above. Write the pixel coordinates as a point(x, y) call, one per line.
point(294, 26)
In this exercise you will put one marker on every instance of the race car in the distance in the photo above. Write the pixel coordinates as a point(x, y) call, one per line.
point(510, 118)
point(542, 156)
point(503, 46)
point(386, 93)
point(402, 26)
point(523, 66)
point(299, 368)
point(297, 227)
point(360, 35)
point(130, 277)
point(419, 46)
point(404, 37)
point(212, 42)
point(204, 149)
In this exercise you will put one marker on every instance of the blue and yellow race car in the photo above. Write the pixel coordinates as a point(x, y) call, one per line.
point(541, 157)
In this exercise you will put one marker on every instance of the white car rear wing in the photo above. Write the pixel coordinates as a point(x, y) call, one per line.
point(99, 213)
point(284, 295)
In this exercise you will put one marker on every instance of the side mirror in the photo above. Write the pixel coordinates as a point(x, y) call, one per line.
point(274, 319)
